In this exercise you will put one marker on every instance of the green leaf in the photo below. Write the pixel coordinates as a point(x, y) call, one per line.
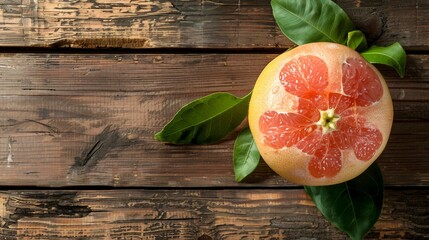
point(393, 56)
point(307, 21)
point(353, 206)
point(246, 155)
point(356, 40)
point(205, 120)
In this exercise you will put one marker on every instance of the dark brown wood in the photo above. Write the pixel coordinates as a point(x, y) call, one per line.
point(191, 24)
point(90, 119)
point(194, 214)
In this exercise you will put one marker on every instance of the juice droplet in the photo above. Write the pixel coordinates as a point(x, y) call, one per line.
point(275, 89)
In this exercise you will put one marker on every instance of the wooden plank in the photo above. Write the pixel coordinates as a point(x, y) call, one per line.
point(90, 119)
point(191, 24)
point(194, 214)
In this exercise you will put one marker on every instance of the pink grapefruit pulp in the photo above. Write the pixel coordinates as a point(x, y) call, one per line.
point(320, 114)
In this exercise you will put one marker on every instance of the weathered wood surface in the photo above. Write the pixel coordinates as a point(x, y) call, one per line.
point(88, 120)
point(194, 214)
point(85, 119)
point(191, 24)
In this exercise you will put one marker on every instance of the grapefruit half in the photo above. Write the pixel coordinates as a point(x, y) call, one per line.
point(320, 114)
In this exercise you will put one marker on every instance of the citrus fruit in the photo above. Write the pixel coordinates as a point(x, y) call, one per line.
point(320, 114)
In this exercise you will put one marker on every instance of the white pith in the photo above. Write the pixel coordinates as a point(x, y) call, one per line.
point(328, 120)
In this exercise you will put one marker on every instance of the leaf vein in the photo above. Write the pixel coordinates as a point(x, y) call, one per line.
point(310, 24)
point(352, 206)
point(231, 107)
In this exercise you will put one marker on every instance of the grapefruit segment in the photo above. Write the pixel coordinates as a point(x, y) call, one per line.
point(304, 75)
point(354, 132)
point(340, 103)
point(366, 143)
point(319, 100)
point(307, 109)
point(310, 143)
point(284, 129)
point(341, 138)
point(326, 162)
point(332, 121)
point(361, 82)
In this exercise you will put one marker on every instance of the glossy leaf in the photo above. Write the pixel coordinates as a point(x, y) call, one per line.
point(246, 155)
point(353, 206)
point(307, 21)
point(393, 56)
point(205, 120)
point(356, 40)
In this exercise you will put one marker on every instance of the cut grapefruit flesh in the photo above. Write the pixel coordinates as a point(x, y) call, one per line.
point(320, 114)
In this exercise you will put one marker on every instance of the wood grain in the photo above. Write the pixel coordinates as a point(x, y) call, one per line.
point(191, 24)
point(194, 214)
point(83, 119)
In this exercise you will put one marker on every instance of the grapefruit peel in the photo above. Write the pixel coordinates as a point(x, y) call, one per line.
point(303, 22)
point(320, 117)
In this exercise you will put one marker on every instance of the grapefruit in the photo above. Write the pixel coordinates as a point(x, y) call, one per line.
point(320, 114)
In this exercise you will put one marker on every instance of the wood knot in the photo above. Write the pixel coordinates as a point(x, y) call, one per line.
point(205, 237)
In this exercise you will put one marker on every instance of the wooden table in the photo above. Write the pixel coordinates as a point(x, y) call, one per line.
point(85, 84)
